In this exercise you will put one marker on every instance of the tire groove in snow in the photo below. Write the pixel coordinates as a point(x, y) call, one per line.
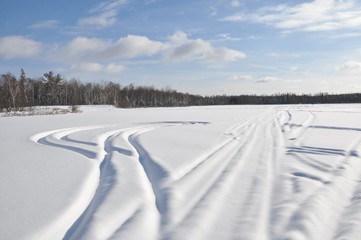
point(203, 180)
point(266, 179)
point(91, 222)
point(311, 217)
point(224, 197)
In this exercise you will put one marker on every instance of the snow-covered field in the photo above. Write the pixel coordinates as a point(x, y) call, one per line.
point(220, 172)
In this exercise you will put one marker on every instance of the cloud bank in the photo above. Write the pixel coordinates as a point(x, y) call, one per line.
point(317, 15)
point(82, 48)
point(18, 47)
point(178, 47)
point(84, 54)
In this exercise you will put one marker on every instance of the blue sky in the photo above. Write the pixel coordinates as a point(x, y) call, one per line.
point(196, 46)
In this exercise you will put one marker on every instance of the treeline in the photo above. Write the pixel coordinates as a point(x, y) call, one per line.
point(285, 98)
point(53, 89)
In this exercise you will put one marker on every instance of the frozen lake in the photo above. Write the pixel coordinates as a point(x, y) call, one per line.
point(215, 172)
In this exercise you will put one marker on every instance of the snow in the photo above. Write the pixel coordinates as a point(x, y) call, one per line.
point(219, 172)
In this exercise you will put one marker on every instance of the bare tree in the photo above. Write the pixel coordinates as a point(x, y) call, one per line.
point(11, 88)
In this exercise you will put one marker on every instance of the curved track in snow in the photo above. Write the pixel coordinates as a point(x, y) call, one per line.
point(268, 179)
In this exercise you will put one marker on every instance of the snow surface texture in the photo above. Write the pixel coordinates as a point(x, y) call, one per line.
point(231, 172)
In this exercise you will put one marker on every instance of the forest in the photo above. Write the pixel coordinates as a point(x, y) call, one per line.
point(52, 89)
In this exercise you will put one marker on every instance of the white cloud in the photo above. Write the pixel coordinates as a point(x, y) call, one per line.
point(102, 20)
point(346, 35)
point(225, 55)
point(240, 77)
point(178, 37)
point(228, 37)
point(97, 68)
point(235, 3)
point(178, 47)
point(103, 15)
point(109, 5)
point(82, 48)
point(114, 68)
point(18, 47)
point(86, 67)
point(317, 15)
point(134, 46)
point(187, 50)
point(47, 24)
point(97, 49)
point(267, 79)
point(350, 66)
point(213, 11)
point(181, 48)
point(283, 55)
